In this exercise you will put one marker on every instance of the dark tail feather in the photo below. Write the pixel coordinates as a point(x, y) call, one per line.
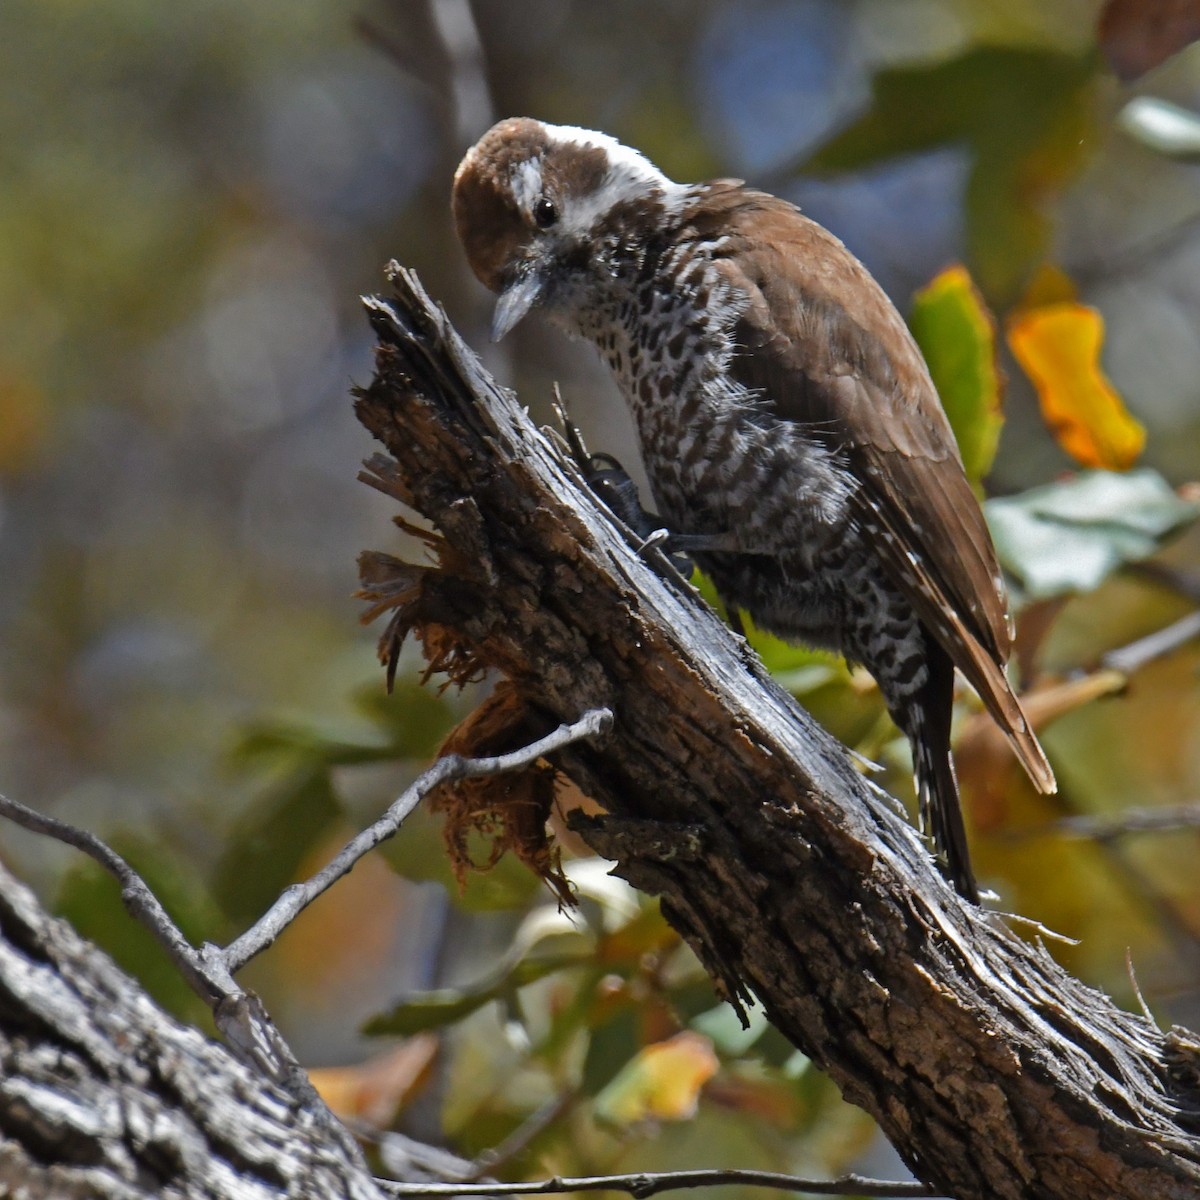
point(937, 785)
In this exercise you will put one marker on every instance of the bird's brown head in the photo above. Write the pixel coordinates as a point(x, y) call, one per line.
point(528, 200)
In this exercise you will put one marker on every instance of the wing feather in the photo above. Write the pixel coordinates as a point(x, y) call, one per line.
point(824, 346)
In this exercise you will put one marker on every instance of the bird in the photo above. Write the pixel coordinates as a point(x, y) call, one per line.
point(793, 439)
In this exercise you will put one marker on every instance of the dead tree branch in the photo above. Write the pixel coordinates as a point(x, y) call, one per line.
point(102, 1095)
point(993, 1071)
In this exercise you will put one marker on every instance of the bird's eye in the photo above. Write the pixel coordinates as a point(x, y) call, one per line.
point(545, 213)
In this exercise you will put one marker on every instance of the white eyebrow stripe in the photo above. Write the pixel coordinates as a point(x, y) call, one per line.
point(527, 182)
point(622, 160)
point(630, 173)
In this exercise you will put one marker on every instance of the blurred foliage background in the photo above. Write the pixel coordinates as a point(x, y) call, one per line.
point(194, 195)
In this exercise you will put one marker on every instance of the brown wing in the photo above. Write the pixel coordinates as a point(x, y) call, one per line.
point(825, 347)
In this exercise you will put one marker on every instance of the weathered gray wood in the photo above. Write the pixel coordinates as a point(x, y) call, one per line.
point(102, 1095)
point(993, 1071)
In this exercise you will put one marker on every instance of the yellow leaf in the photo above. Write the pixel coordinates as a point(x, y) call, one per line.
point(1058, 347)
point(661, 1082)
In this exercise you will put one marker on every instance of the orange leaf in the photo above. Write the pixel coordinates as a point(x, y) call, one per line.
point(661, 1082)
point(25, 427)
point(1058, 346)
point(375, 1090)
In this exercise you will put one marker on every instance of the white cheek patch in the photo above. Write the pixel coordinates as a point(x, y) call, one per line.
point(527, 183)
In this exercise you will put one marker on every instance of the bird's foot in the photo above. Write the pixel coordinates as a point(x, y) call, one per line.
point(611, 483)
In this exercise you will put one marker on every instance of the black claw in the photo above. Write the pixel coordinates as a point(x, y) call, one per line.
point(612, 484)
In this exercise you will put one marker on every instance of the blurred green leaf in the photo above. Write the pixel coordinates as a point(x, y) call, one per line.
point(432, 1010)
point(1069, 536)
point(272, 838)
point(269, 742)
point(415, 717)
point(611, 1044)
point(957, 336)
point(1163, 126)
point(414, 720)
point(1024, 115)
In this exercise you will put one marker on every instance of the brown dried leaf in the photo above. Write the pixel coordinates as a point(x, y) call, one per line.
point(1137, 35)
point(510, 810)
point(389, 583)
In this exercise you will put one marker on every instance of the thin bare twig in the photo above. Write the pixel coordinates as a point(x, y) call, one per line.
point(1132, 657)
point(1135, 820)
point(210, 969)
point(643, 1185)
point(142, 903)
point(453, 767)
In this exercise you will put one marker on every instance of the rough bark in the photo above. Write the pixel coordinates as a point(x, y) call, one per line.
point(105, 1096)
point(992, 1070)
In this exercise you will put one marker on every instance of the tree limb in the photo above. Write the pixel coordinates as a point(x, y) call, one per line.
point(104, 1096)
point(993, 1071)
